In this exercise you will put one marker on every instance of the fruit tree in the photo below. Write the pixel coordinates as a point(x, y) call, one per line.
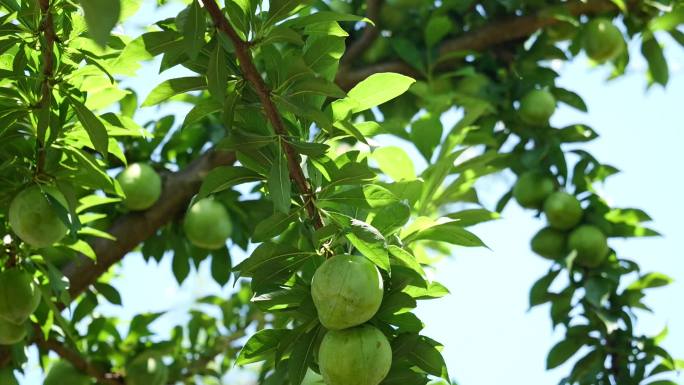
point(285, 154)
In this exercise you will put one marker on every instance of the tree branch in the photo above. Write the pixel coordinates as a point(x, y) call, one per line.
point(370, 33)
point(222, 346)
point(78, 362)
point(47, 51)
point(479, 40)
point(252, 75)
point(135, 227)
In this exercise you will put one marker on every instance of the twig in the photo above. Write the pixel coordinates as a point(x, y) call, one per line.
point(222, 346)
point(252, 75)
point(47, 50)
point(78, 362)
point(370, 33)
point(480, 39)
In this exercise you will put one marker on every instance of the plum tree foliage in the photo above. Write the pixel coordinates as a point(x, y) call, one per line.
point(281, 155)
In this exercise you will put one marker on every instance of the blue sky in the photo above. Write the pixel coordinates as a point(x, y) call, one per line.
point(490, 337)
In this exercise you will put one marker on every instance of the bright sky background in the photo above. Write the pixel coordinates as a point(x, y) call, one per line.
point(490, 337)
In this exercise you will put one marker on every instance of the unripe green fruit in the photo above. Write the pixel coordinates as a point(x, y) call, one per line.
point(602, 40)
point(532, 188)
point(591, 245)
point(141, 185)
point(19, 296)
point(537, 106)
point(549, 243)
point(356, 356)
point(563, 211)
point(147, 369)
point(207, 224)
point(11, 333)
point(181, 18)
point(474, 85)
point(34, 220)
point(347, 291)
point(63, 373)
point(7, 377)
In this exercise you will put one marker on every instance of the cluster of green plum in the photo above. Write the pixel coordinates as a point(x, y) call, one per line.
point(347, 291)
point(19, 298)
point(565, 232)
point(206, 224)
point(35, 221)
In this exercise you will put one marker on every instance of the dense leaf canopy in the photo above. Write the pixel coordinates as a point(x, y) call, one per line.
point(282, 156)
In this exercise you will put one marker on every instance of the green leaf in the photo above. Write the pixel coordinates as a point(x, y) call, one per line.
point(311, 149)
point(101, 16)
point(260, 346)
point(391, 218)
point(426, 134)
point(597, 290)
point(222, 178)
point(93, 125)
point(406, 259)
point(367, 196)
point(408, 52)
point(394, 162)
point(280, 9)
point(365, 238)
point(269, 254)
point(668, 21)
point(570, 98)
point(302, 355)
point(217, 73)
point(84, 248)
point(450, 232)
point(436, 29)
point(427, 357)
point(274, 225)
point(180, 264)
point(109, 292)
point(472, 217)
point(649, 281)
point(377, 89)
point(539, 293)
point(562, 351)
point(193, 30)
point(221, 265)
point(657, 64)
point(244, 142)
point(576, 133)
point(173, 87)
point(433, 290)
point(279, 184)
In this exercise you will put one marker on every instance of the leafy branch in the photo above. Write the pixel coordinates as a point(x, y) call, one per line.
point(370, 33)
point(78, 362)
point(47, 26)
point(242, 51)
point(492, 34)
